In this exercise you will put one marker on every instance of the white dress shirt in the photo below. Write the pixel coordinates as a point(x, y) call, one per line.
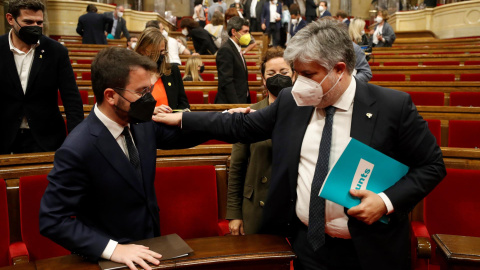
point(335, 217)
point(273, 12)
point(377, 32)
point(253, 9)
point(174, 50)
point(23, 63)
point(114, 26)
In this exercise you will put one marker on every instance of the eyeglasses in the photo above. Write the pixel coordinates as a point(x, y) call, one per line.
point(150, 53)
point(142, 93)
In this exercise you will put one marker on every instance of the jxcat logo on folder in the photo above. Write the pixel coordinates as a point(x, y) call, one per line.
point(362, 175)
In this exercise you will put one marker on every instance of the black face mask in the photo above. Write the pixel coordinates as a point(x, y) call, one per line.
point(202, 69)
point(29, 34)
point(142, 109)
point(276, 83)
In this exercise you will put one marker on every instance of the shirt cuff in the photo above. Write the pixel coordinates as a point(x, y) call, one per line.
point(108, 251)
point(387, 202)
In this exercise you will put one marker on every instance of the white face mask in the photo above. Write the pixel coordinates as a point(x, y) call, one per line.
point(134, 44)
point(363, 32)
point(237, 1)
point(321, 8)
point(307, 92)
point(120, 14)
point(274, 2)
point(165, 33)
point(378, 19)
point(185, 31)
point(294, 21)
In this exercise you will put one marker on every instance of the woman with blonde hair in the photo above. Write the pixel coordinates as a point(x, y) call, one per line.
point(193, 68)
point(215, 28)
point(168, 88)
point(356, 30)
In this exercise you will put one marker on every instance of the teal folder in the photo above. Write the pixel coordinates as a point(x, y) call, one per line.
point(360, 167)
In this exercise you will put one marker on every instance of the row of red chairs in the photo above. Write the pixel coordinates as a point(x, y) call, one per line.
point(425, 77)
point(464, 99)
point(421, 53)
point(194, 213)
point(461, 133)
point(426, 63)
point(206, 76)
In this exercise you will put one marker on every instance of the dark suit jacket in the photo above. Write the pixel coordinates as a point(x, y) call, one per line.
point(121, 26)
point(173, 84)
point(232, 76)
point(258, 9)
point(294, 29)
point(310, 8)
point(94, 182)
point(395, 129)
point(326, 13)
point(388, 34)
point(51, 72)
point(91, 27)
point(266, 14)
point(202, 41)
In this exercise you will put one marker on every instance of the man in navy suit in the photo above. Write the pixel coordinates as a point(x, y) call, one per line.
point(91, 26)
point(101, 193)
point(323, 8)
point(271, 20)
point(326, 94)
point(297, 21)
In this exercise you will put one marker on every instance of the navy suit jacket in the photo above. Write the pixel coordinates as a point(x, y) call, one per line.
point(294, 29)
point(326, 14)
point(265, 18)
point(395, 129)
point(173, 84)
point(94, 193)
point(91, 27)
point(51, 72)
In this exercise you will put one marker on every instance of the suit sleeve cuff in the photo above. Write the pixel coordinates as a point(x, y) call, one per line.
point(387, 202)
point(108, 251)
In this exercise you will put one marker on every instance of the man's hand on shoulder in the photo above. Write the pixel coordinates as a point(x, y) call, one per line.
point(371, 209)
point(135, 254)
point(171, 119)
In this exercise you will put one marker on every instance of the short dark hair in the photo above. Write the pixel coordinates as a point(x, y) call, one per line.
point(111, 69)
point(342, 14)
point(294, 9)
point(92, 8)
point(153, 23)
point(271, 53)
point(14, 6)
point(130, 39)
point(325, 2)
point(198, 2)
point(236, 23)
point(189, 23)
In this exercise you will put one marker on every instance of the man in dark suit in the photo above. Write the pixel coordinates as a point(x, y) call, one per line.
point(272, 20)
point(91, 26)
point(119, 23)
point(33, 69)
point(297, 21)
point(323, 8)
point(253, 12)
point(310, 11)
point(101, 192)
point(231, 66)
point(310, 125)
point(342, 16)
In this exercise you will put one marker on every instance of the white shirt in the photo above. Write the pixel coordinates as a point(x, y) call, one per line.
point(114, 27)
point(335, 217)
point(273, 12)
point(23, 63)
point(174, 50)
point(116, 131)
point(377, 31)
point(253, 9)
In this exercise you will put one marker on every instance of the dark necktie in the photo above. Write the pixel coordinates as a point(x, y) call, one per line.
point(316, 215)
point(132, 152)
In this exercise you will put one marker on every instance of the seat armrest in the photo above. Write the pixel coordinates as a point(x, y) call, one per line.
point(18, 253)
point(223, 227)
point(423, 241)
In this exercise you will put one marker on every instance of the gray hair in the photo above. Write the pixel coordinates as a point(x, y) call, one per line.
point(325, 42)
point(236, 23)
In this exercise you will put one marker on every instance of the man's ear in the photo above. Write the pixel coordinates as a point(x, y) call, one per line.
point(10, 19)
point(109, 96)
point(340, 67)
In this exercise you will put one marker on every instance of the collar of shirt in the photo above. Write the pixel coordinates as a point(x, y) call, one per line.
point(237, 46)
point(346, 99)
point(15, 49)
point(112, 126)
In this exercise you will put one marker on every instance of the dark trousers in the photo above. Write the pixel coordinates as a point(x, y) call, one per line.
point(255, 25)
point(310, 19)
point(335, 254)
point(24, 143)
point(274, 32)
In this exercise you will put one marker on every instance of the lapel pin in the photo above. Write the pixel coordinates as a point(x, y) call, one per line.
point(169, 84)
point(42, 51)
point(40, 56)
point(369, 115)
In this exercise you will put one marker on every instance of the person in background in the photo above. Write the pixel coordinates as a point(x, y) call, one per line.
point(271, 20)
point(199, 13)
point(168, 88)
point(356, 30)
point(215, 28)
point(119, 24)
point(232, 12)
point(323, 8)
point(382, 35)
point(310, 11)
point(253, 12)
point(342, 16)
point(251, 164)
point(284, 26)
point(193, 69)
point(132, 43)
point(202, 42)
point(239, 7)
point(33, 70)
point(217, 5)
point(297, 22)
point(91, 26)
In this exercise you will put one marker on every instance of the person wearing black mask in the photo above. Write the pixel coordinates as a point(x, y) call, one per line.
point(104, 173)
point(251, 164)
point(33, 70)
point(168, 88)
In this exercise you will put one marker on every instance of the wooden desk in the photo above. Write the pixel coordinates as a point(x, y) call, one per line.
point(458, 252)
point(221, 252)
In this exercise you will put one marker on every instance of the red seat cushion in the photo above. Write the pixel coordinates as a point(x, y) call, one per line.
point(470, 77)
point(211, 97)
point(86, 76)
point(427, 98)
point(83, 95)
point(400, 64)
point(209, 63)
point(433, 77)
point(388, 77)
point(208, 76)
point(252, 77)
point(472, 63)
point(374, 64)
point(253, 97)
point(441, 63)
point(194, 97)
point(463, 133)
point(4, 227)
point(434, 125)
point(31, 189)
point(467, 99)
point(84, 61)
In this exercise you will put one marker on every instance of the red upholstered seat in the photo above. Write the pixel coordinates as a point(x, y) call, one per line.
point(210, 63)
point(472, 63)
point(427, 98)
point(208, 76)
point(253, 97)
point(434, 125)
point(31, 189)
point(83, 95)
point(211, 97)
point(388, 77)
point(432, 77)
point(400, 64)
point(466, 99)
point(252, 77)
point(194, 97)
point(451, 208)
point(470, 77)
point(4, 227)
point(463, 133)
point(374, 64)
point(251, 64)
point(84, 61)
point(214, 142)
point(187, 198)
point(441, 63)
point(87, 76)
